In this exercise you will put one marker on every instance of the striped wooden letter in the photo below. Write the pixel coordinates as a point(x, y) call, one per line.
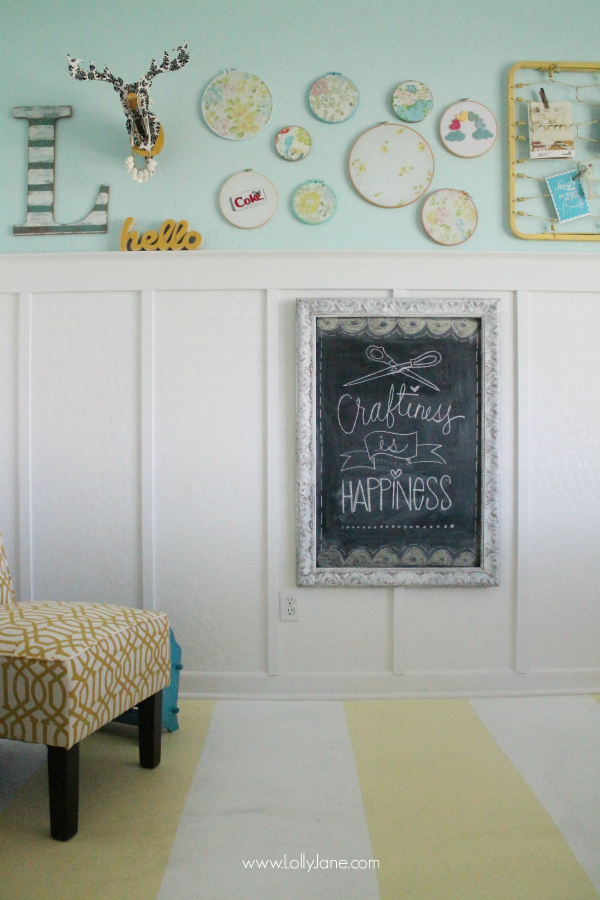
point(40, 178)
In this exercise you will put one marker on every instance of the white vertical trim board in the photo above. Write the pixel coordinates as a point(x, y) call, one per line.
point(24, 452)
point(398, 629)
point(521, 649)
point(147, 448)
point(272, 415)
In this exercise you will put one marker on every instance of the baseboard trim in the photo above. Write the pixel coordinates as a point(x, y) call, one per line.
point(363, 686)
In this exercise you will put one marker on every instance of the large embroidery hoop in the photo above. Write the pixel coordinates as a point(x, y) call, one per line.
point(237, 105)
point(391, 165)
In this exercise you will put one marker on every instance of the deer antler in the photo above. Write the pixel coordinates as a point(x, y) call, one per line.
point(167, 64)
point(80, 74)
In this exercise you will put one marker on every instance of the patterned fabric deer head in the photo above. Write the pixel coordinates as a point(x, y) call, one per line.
point(143, 126)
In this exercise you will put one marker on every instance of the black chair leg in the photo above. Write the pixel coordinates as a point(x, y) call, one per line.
point(150, 724)
point(63, 783)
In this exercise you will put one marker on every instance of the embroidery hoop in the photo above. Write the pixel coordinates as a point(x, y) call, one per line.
point(448, 115)
point(239, 75)
point(425, 227)
point(245, 182)
point(293, 130)
point(323, 189)
point(403, 106)
point(344, 83)
point(405, 128)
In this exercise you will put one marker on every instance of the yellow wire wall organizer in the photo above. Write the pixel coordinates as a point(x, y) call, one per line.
point(531, 211)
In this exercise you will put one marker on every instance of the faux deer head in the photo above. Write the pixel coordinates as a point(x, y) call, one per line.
point(145, 131)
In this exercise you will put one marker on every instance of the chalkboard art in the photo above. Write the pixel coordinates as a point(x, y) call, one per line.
point(397, 407)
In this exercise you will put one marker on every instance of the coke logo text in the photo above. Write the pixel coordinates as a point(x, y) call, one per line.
point(248, 199)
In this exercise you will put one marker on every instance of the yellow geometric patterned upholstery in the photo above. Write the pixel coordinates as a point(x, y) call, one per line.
point(68, 668)
point(7, 594)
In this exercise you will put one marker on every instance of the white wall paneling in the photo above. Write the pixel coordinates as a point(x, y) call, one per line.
point(24, 464)
point(9, 432)
point(563, 562)
point(210, 485)
point(147, 457)
point(85, 445)
point(147, 448)
point(523, 497)
point(272, 401)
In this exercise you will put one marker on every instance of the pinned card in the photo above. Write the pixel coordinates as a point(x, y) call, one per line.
point(568, 196)
point(551, 130)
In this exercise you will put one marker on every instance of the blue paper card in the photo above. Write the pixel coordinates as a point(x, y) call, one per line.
point(567, 196)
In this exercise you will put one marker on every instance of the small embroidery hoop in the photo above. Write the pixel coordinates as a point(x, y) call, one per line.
point(226, 187)
point(313, 181)
point(447, 145)
point(427, 114)
point(444, 243)
point(298, 158)
point(336, 121)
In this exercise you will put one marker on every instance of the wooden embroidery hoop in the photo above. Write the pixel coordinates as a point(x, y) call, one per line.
point(447, 145)
point(429, 235)
point(393, 125)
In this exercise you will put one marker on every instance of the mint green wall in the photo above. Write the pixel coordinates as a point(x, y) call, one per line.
point(459, 49)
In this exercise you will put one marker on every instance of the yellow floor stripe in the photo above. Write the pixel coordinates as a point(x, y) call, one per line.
point(449, 816)
point(128, 817)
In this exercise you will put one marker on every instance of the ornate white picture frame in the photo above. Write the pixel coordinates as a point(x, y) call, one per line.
point(397, 441)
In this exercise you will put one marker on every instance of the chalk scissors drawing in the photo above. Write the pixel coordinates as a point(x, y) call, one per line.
point(379, 355)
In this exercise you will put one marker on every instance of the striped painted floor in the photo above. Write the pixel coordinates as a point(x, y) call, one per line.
point(488, 799)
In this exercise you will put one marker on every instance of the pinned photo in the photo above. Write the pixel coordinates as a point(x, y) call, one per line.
point(551, 130)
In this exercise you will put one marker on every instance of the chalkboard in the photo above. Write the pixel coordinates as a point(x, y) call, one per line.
point(396, 442)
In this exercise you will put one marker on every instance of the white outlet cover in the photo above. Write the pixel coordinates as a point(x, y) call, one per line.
point(284, 606)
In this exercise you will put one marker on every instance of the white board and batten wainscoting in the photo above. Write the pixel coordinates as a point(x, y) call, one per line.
point(147, 457)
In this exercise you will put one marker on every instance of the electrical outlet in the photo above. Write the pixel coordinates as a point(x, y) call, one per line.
point(288, 606)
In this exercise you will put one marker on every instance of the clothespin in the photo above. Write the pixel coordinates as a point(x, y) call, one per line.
point(586, 174)
point(544, 100)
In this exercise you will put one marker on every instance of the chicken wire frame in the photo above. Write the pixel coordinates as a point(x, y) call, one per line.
point(307, 312)
point(513, 158)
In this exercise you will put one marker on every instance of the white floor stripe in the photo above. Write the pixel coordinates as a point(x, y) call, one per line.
point(18, 761)
point(554, 742)
point(276, 780)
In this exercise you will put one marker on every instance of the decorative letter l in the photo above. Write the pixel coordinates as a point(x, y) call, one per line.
point(40, 178)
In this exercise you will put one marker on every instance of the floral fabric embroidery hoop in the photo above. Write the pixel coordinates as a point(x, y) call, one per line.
point(468, 129)
point(412, 101)
point(293, 143)
point(391, 165)
point(314, 202)
point(333, 98)
point(247, 199)
point(449, 216)
point(237, 105)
